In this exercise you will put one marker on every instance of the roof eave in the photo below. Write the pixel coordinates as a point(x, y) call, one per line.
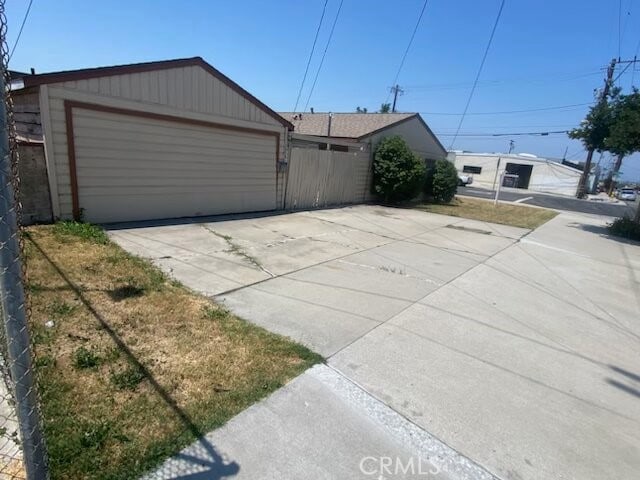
point(71, 75)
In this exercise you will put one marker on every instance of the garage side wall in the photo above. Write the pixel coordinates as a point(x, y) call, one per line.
point(187, 92)
point(419, 139)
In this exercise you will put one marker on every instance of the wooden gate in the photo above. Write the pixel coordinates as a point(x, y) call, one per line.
point(324, 178)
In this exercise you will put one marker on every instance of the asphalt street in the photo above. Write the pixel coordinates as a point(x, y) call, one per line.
point(553, 201)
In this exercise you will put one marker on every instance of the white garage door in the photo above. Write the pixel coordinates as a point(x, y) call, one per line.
point(135, 168)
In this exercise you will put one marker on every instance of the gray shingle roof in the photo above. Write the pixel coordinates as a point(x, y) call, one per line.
point(345, 125)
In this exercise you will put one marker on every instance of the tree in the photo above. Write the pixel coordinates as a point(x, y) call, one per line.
point(398, 173)
point(592, 132)
point(623, 138)
point(361, 110)
point(385, 108)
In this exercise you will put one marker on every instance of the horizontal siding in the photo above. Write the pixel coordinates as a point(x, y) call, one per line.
point(126, 171)
point(186, 88)
point(154, 154)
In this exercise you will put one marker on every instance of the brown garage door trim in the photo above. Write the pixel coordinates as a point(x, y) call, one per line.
point(69, 105)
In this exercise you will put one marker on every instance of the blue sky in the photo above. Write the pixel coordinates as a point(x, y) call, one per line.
point(544, 54)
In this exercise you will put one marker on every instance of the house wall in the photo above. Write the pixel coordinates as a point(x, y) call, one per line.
point(416, 135)
point(32, 170)
point(546, 176)
point(34, 186)
point(188, 92)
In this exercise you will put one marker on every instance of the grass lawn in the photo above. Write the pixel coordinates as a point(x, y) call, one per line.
point(485, 211)
point(131, 365)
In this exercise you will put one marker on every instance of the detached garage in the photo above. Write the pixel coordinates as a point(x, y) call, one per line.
point(156, 140)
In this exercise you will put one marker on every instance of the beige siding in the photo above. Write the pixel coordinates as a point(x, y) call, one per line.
point(168, 92)
point(132, 168)
point(192, 89)
point(419, 139)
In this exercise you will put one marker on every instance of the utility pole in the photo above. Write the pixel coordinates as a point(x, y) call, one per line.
point(582, 185)
point(614, 173)
point(396, 90)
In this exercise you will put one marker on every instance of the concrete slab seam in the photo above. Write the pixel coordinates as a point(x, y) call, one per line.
point(242, 287)
point(444, 458)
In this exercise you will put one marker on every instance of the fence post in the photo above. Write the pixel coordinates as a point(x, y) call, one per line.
point(12, 300)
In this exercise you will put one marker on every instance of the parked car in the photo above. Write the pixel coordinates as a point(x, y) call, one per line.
point(464, 179)
point(627, 194)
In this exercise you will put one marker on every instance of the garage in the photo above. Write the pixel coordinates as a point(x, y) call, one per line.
point(156, 141)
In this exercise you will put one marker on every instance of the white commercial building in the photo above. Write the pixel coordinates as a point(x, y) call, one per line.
point(523, 171)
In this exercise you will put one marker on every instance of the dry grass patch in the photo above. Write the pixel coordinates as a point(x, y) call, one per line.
point(485, 211)
point(132, 366)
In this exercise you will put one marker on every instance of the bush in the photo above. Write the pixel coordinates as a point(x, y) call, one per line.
point(441, 181)
point(625, 227)
point(398, 173)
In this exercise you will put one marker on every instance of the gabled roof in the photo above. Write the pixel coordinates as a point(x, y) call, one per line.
point(71, 75)
point(352, 125)
point(344, 125)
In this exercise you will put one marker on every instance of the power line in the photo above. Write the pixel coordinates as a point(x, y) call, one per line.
point(507, 112)
point(512, 134)
point(313, 47)
point(24, 20)
point(313, 86)
point(475, 82)
point(499, 83)
point(406, 52)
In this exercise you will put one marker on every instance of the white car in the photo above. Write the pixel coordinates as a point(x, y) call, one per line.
point(464, 179)
point(627, 194)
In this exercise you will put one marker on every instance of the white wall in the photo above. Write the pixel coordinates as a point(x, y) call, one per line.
point(546, 176)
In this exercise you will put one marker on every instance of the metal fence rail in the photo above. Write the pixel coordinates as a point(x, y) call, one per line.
point(22, 446)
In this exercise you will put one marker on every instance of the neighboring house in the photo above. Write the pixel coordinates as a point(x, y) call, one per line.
point(369, 128)
point(153, 140)
point(522, 171)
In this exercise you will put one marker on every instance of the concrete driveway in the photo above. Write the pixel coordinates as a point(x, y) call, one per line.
point(486, 350)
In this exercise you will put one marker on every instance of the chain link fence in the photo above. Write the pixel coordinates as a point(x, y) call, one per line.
point(22, 447)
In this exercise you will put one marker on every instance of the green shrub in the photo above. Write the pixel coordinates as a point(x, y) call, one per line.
point(441, 181)
point(625, 227)
point(398, 173)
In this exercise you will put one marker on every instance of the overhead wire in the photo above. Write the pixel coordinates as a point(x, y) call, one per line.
point(475, 82)
point(24, 20)
point(500, 83)
point(511, 134)
point(313, 86)
point(406, 51)
point(313, 48)
point(508, 112)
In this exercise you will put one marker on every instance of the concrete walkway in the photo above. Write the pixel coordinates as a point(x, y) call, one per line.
point(476, 348)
